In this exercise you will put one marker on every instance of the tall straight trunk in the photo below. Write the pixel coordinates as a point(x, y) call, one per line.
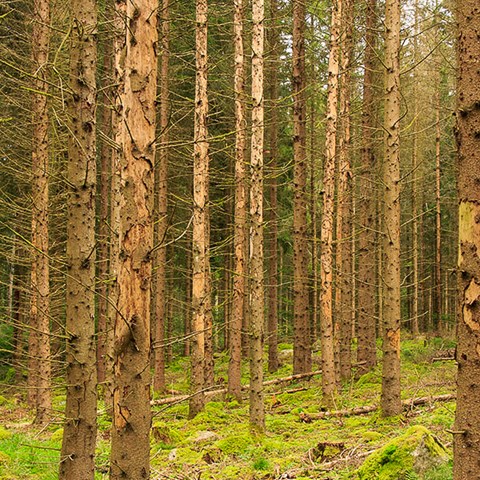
point(438, 304)
point(240, 210)
point(161, 205)
point(466, 435)
point(366, 352)
point(273, 36)
point(187, 324)
point(200, 239)
point(104, 327)
point(78, 447)
point(131, 396)
point(40, 371)
point(415, 162)
point(301, 343)
point(390, 398)
point(326, 234)
point(257, 407)
point(345, 193)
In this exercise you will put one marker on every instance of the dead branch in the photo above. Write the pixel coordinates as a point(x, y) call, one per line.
point(221, 391)
point(409, 403)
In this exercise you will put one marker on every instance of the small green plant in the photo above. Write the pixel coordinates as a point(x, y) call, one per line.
point(261, 464)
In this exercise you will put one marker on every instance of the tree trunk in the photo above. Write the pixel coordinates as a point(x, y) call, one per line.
point(367, 351)
point(240, 211)
point(40, 372)
point(79, 437)
point(438, 304)
point(326, 234)
point(200, 240)
point(161, 204)
point(390, 399)
point(131, 397)
point(466, 439)
point(273, 36)
point(301, 343)
point(257, 407)
point(345, 192)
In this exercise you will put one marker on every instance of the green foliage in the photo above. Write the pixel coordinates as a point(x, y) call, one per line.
point(261, 464)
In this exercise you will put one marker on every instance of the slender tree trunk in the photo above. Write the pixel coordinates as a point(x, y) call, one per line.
point(240, 211)
point(257, 407)
point(326, 299)
point(200, 241)
point(273, 36)
point(438, 312)
point(40, 310)
point(415, 206)
point(390, 399)
point(466, 435)
point(161, 204)
point(366, 353)
point(187, 328)
point(78, 447)
point(345, 193)
point(301, 343)
point(131, 397)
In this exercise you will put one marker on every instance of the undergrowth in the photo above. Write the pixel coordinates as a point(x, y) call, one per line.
point(331, 448)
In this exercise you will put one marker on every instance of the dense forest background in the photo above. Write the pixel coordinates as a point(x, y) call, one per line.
point(320, 142)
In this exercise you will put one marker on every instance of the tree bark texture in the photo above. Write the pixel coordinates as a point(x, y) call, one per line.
point(78, 447)
point(161, 205)
point(240, 210)
point(257, 407)
point(201, 285)
point(301, 343)
point(39, 345)
point(466, 440)
point(326, 233)
point(131, 397)
point(390, 271)
point(367, 350)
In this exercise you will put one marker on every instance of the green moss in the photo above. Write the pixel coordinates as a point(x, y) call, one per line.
point(57, 435)
point(4, 458)
point(165, 435)
point(261, 463)
point(414, 452)
point(4, 401)
point(4, 433)
point(235, 444)
point(371, 436)
point(187, 456)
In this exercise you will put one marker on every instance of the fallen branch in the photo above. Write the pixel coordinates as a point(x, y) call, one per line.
point(309, 417)
point(220, 391)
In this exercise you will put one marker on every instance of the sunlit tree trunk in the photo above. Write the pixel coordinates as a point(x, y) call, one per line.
point(79, 437)
point(200, 241)
point(301, 343)
point(131, 397)
point(390, 271)
point(344, 212)
point(257, 408)
point(240, 210)
point(466, 435)
point(326, 234)
point(39, 345)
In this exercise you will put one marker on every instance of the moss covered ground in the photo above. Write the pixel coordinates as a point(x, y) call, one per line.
point(331, 448)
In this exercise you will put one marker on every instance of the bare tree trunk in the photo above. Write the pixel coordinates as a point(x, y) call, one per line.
point(327, 332)
point(366, 352)
point(257, 407)
point(78, 447)
point(345, 192)
point(273, 36)
point(40, 371)
point(438, 312)
point(240, 211)
point(390, 399)
point(301, 343)
point(200, 241)
point(131, 397)
point(161, 205)
point(466, 435)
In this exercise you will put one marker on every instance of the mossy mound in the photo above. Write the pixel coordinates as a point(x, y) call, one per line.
point(414, 453)
point(165, 435)
point(4, 458)
point(57, 435)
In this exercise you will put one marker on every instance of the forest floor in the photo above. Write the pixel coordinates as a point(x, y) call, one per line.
point(218, 445)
